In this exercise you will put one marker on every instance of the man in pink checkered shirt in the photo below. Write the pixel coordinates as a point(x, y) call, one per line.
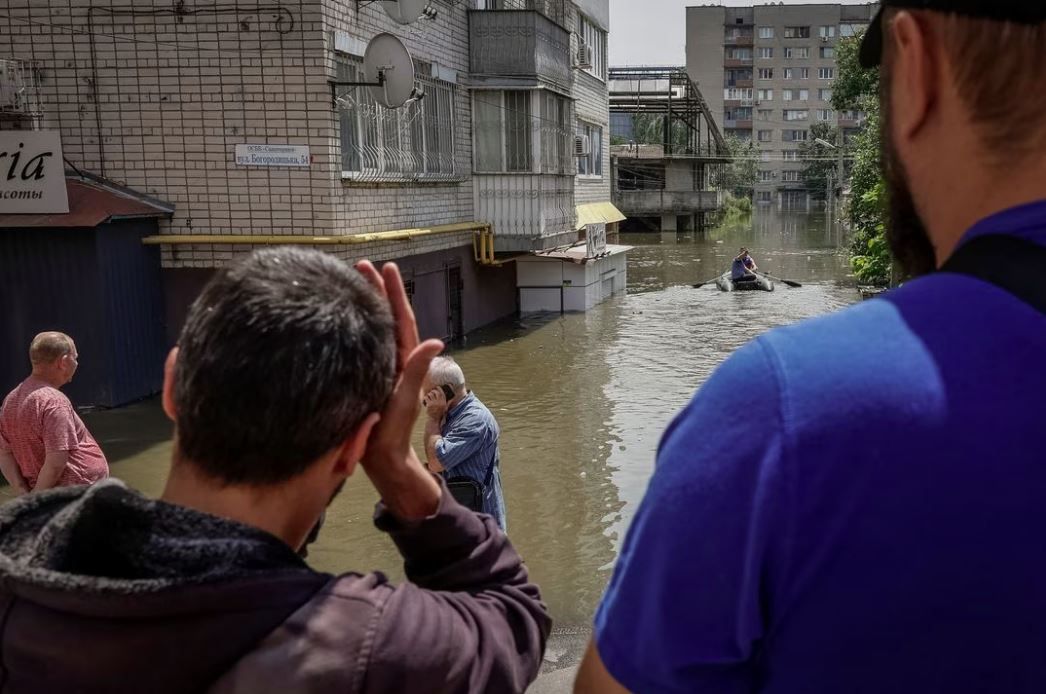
point(43, 442)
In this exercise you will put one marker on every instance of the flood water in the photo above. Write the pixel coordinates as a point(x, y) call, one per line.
point(582, 400)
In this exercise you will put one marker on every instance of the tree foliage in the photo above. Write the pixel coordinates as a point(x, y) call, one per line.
point(819, 162)
point(740, 174)
point(858, 88)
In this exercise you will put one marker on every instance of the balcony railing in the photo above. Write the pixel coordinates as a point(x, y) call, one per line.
point(737, 62)
point(747, 40)
point(528, 213)
point(518, 46)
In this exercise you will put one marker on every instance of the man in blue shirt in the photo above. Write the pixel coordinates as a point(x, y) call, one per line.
point(858, 503)
point(743, 267)
point(461, 435)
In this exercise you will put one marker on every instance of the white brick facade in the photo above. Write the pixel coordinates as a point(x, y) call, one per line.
point(159, 100)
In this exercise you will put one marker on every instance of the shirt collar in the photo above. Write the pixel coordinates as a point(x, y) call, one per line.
point(454, 411)
point(1027, 222)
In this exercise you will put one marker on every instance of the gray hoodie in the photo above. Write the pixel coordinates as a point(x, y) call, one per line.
point(103, 590)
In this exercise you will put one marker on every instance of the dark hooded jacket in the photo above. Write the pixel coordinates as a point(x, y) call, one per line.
point(103, 590)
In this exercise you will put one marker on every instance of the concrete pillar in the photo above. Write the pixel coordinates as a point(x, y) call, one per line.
point(668, 223)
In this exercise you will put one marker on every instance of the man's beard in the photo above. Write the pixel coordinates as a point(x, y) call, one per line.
point(905, 232)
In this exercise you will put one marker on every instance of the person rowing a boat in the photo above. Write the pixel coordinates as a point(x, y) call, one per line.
point(743, 267)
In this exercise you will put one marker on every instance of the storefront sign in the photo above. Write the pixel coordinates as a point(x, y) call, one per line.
point(595, 240)
point(273, 155)
point(32, 172)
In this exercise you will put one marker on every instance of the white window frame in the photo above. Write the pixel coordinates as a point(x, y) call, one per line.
point(803, 95)
point(766, 32)
point(825, 115)
point(804, 73)
point(768, 71)
point(797, 32)
point(790, 155)
point(765, 175)
point(827, 31)
point(790, 176)
point(822, 95)
point(512, 124)
point(793, 133)
point(591, 167)
point(416, 142)
point(826, 49)
point(766, 52)
point(787, 94)
point(595, 37)
point(769, 135)
point(826, 73)
point(764, 196)
point(765, 95)
point(796, 114)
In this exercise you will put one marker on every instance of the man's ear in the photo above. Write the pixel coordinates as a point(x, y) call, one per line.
point(914, 73)
point(355, 446)
point(168, 385)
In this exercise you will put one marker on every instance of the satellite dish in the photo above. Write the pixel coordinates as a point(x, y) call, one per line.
point(388, 65)
point(405, 11)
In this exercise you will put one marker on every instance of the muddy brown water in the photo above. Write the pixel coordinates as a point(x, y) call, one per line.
point(582, 400)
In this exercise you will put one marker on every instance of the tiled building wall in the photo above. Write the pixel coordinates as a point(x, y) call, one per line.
point(157, 99)
point(593, 106)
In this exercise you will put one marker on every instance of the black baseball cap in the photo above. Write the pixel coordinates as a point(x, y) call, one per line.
point(1018, 11)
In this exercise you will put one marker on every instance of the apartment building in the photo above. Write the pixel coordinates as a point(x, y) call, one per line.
point(232, 124)
point(767, 74)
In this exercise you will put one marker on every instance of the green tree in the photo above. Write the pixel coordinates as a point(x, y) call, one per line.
point(740, 173)
point(856, 88)
point(819, 162)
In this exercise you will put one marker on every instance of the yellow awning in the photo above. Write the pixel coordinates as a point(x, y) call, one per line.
point(598, 213)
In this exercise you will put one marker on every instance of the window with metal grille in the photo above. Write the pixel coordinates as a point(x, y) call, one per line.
point(503, 129)
point(415, 141)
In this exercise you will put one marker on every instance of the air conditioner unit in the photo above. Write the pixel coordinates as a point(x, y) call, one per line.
point(582, 146)
point(584, 56)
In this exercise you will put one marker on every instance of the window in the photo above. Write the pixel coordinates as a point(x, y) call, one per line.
point(787, 94)
point(848, 30)
point(796, 114)
point(764, 155)
point(765, 73)
point(797, 32)
point(764, 114)
point(824, 94)
point(766, 176)
point(827, 32)
point(803, 72)
point(765, 95)
point(737, 93)
point(797, 52)
point(794, 135)
point(765, 135)
point(827, 52)
point(766, 32)
point(790, 155)
point(595, 37)
point(557, 140)
point(825, 114)
point(789, 73)
point(804, 95)
point(734, 53)
point(764, 196)
point(592, 165)
point(766, 53)
point(825, 73)
point(416, 141)
point(503, 128)
point(790, 176)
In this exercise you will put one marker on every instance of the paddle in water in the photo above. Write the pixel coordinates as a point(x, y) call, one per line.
point(790, 283)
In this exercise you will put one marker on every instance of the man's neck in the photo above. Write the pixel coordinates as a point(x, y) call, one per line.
point(48, 376)
point(978, 196)
point(264, 508)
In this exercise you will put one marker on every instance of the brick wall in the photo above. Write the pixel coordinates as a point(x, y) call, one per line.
point(158, 100)
point(593, 106)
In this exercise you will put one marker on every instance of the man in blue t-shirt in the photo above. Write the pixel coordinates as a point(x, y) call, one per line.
point(858, 503)
point(743, 267)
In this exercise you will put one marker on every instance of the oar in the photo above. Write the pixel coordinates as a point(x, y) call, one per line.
point(701, 284)
point(790, 283)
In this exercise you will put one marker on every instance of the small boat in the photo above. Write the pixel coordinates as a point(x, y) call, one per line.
point(759, 283)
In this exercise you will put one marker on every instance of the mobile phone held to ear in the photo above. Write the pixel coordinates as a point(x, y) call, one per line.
point(448, 392)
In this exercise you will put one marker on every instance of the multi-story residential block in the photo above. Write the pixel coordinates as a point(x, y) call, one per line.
point(237, 121)
point(767, 74)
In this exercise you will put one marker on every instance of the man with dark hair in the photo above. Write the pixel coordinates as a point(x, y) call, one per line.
point(855, 504)
point(285, 378)
point(43, 442)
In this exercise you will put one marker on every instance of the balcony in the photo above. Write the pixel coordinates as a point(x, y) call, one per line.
point(527, 212)
point(655, 202)
point(747, 40)
point(518, 48)
point(737, 62)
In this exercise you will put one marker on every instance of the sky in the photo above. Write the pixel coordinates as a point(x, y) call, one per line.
point(653, 32)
